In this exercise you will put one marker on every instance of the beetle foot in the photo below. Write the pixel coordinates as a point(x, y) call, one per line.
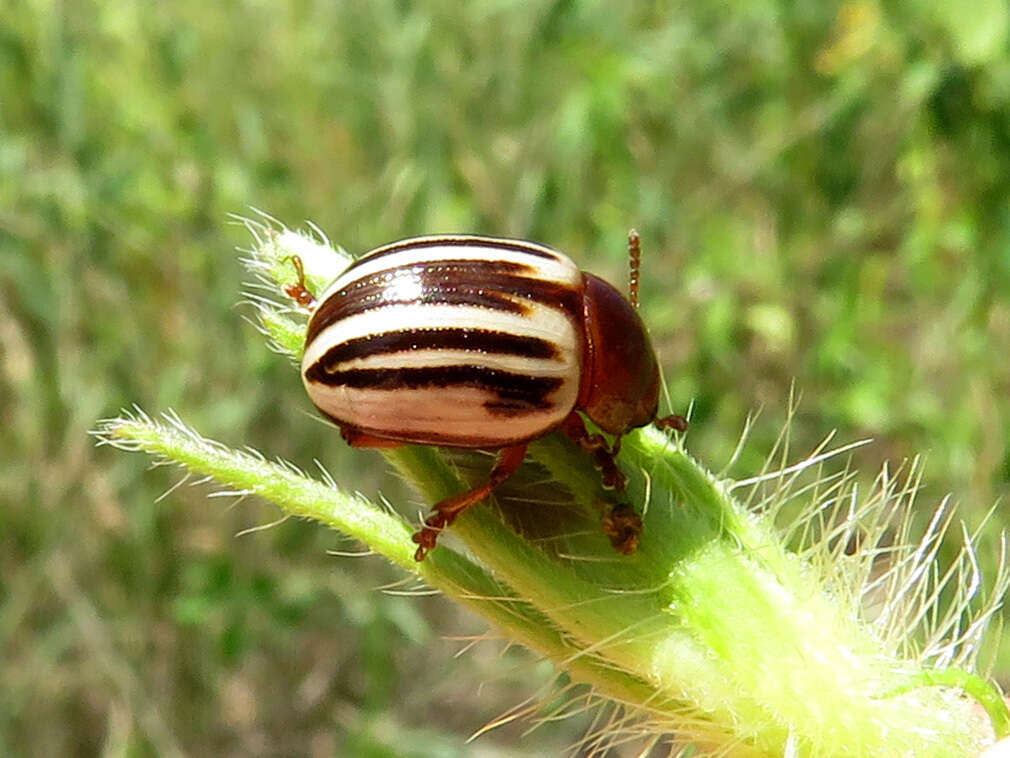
point(623, 526)
point(676, 422)
point(426, 537)
point(299, 292)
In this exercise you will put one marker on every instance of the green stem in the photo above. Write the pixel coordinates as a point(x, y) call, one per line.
point(585, 609)
point(985, 694)
point(388, 536)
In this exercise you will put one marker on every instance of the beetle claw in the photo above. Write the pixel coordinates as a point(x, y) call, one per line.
point(623, 526)
point(299, 292)
point(426, 537)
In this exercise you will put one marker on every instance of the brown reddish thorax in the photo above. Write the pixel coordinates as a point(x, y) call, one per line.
point(620, 378)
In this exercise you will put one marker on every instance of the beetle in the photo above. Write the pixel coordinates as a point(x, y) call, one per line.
point(481, 342)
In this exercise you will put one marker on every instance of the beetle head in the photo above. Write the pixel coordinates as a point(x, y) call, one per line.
point(620, 379)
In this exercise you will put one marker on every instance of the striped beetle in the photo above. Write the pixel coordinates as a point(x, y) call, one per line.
point(480, 342)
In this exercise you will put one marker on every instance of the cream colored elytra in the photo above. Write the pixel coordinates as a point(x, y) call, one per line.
point(464, 341)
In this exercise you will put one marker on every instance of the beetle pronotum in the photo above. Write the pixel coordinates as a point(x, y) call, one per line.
point(480, 342)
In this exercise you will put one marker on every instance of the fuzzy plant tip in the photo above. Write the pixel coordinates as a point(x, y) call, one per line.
point(730, 630)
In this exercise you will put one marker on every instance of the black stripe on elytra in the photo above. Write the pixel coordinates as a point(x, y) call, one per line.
point(516, 246)
point(513, 390)
point(484, 341)
point(496, 285)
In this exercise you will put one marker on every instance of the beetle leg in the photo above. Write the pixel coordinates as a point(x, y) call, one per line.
point(604, 457)
point(675, 422)
point(622, 525)
point(357, 438)
point(446, 511)
point(298, 291)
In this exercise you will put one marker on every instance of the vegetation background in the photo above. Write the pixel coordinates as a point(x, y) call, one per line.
point(823, 191)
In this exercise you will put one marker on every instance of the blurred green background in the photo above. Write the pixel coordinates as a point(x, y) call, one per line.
point(823, 191)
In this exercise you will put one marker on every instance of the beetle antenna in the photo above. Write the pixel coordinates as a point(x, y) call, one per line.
point(635, 262)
